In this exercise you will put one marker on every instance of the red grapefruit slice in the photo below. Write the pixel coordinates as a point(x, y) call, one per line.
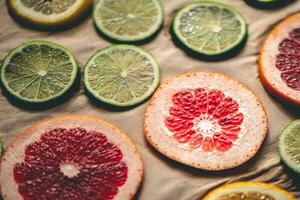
point(205, 120)
point(71, 158)
point(279, 61)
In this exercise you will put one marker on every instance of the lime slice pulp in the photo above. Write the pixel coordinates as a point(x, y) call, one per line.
point(130, 21)
point(209, 28)
point(289, 145)
point(38, 71)
point(121, 75)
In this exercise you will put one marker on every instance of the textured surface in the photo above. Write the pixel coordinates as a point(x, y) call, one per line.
point(164, 179)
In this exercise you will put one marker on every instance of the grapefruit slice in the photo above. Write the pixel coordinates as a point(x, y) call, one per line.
point(279, 61)
point(71, 157)
point(48, 13)
point(205, 120)
point(250, 191)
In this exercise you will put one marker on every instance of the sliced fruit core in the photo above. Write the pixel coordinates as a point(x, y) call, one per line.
point(39, 72)
point(71, 164)
point(210, 28)
point(48, 7)
point(204, 118)
point(246, 196)
point(122, 75)
point(288, 60)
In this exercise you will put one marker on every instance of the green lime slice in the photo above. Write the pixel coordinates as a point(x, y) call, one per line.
point(289, 145)
point(128, 21)
point(38, 71)
point(121, 75)
point(209, 28)
point(267, 4)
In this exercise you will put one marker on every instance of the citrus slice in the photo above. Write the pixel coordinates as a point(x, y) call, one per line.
point(289, 143)
point(205, 120)
point(71, 157)
point(249, 191)
point(128, 21)
point(49, 13)
point(267, 3)
point(210, 28)
point(38, 71)
point(279, 61)
point(121, 75)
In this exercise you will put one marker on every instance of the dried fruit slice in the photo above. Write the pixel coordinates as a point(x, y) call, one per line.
point(128, 21)
point(205, 120)
point(210, 28)
point(249, 191)
point(38, 71)
point(71, 157)
point(279, 61)
point(289, 143)
point(49, 13)
point(121, 75)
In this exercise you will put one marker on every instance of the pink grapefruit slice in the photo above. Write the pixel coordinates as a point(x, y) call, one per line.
point(71, 158)
point(279, 61)
point(206, 120)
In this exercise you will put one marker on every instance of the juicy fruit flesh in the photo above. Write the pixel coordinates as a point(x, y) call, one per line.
point(288, 60)
point(204, 118)
point(246, 196)
point(128, 18)
point(48, 7)
point(38, 72)
point(210, 28)
point(292, 142)
point(121, 75)
point(71, 164)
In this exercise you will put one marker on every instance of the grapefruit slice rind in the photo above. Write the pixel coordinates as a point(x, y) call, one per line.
point(220, 137)
point(96, 150)
point(278, 61)
point(249, 190)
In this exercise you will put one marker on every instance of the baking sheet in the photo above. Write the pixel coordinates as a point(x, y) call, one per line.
point(164, 179)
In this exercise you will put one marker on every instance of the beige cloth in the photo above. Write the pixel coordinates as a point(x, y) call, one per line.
point(164, 179)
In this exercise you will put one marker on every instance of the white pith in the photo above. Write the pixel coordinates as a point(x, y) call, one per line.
point(69, 169)
point(206, 126)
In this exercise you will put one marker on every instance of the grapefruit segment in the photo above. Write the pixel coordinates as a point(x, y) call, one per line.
point(205, 120)
point(279, 61)
point(70, 157)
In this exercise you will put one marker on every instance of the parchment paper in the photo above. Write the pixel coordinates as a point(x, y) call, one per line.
point(164, 179)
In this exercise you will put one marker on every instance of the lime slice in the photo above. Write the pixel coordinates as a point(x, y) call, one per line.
point(128, 21)
point(289, 145)
point(265, 4)
point(49, 13)
point(121, 75)
point(209, 28)
point(38, 71)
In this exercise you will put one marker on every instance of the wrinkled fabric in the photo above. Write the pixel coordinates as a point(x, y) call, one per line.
point(164, 179)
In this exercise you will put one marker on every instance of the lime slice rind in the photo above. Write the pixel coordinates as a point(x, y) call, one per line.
point(288, 135)
point(33, 78)
point(204, 37)
point(145, 30)
point(114, 85)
